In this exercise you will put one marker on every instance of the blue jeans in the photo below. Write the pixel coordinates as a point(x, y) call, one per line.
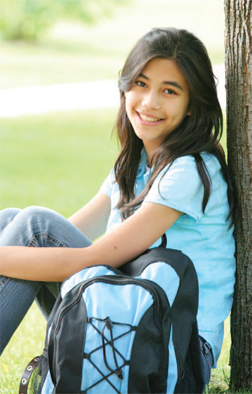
point(207, 359)
point(35, 227)
point(41, 227)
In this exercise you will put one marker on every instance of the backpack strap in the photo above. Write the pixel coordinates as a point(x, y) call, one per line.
point(164, 241)
point(27, 375)
point(134, 267)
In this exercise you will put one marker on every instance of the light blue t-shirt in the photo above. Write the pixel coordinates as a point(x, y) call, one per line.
point(204, 237)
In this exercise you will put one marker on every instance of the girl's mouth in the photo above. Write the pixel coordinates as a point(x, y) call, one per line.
point(148, 119)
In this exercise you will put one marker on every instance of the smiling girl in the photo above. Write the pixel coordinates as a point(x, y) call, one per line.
point(157, 102)
point(170, 177)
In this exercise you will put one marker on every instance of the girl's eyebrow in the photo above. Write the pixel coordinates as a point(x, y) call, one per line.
point(172, 83)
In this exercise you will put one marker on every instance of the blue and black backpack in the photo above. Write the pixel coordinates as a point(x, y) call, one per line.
point(132, 330)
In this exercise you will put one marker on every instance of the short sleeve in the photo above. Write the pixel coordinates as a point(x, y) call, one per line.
point(179, 187)
point(107, 185)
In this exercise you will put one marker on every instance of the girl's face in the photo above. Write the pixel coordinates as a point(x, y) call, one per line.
point(157, 102)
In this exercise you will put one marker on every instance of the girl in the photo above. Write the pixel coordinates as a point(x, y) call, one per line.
point(170, 177)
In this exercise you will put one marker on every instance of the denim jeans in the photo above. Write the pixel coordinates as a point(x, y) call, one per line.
point(41, 227)
point(207, 359)
point(34, 227)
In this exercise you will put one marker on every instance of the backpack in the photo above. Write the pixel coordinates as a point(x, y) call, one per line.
point(132, 330)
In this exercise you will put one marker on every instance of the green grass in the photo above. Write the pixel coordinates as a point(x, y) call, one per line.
point(57, 160)
point(28, 342)
point(74, 53)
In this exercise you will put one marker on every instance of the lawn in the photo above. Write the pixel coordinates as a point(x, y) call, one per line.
point(74, 53)
point(28, 342)
point(48, 160)
point(59, 160)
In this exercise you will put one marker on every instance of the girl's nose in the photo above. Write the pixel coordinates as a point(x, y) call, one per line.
point(151, 100)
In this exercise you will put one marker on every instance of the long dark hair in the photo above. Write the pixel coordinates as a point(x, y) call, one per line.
point(199, 132)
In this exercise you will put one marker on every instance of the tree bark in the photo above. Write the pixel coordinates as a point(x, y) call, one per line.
point(238, 50)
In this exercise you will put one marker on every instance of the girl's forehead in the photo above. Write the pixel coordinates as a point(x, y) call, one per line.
point(162, 64)
point(163, 70)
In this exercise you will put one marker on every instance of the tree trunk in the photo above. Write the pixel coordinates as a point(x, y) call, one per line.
point(238, 49)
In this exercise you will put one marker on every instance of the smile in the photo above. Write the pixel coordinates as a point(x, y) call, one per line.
point(147, 118)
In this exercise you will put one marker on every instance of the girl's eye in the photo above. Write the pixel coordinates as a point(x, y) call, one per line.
point(141, 84)
point(170, 91)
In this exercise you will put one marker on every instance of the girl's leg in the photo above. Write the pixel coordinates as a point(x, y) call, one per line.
point(34, 227)
point(6, 217)
point(207, 360)
point(13, 292)
point(16, 297)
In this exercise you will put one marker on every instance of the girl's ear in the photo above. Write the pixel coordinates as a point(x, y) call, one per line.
point(189, 112)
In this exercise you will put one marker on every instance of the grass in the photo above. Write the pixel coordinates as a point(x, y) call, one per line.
point(57, 160)
point(47, 160)
point(25, 344)
point(28, 342)
point(74, 53)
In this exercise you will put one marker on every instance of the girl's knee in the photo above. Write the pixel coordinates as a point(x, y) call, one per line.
point(39, 217)
point(33, 211)
point(21, 217)
point(9, 213)
point(33, 217)
point(38, 213)
point(20, 226)
point(30, 227)
point(6, 217)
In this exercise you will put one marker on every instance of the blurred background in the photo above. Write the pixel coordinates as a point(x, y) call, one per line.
point(55, 123)
point(59, 61)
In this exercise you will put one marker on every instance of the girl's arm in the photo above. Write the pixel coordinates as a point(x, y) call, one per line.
point(92, 219)
point(131, 238)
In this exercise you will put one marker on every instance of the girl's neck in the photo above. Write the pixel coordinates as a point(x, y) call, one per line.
point(150, 151)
